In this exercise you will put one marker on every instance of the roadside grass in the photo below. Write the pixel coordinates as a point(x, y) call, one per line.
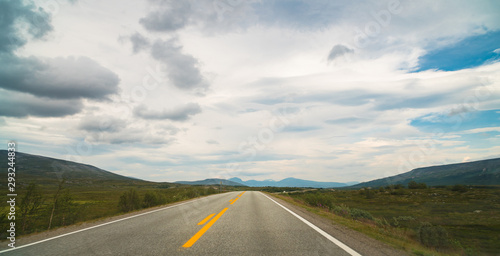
point(97, 201)
point(431, 221)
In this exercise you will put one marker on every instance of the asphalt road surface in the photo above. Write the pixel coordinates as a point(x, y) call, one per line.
point(234, 223)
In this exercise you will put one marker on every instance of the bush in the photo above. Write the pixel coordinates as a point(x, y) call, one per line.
point(398, 192)
point(382, 222)
point(152, 199)
point(393, 187)
point(342, 210)
point(414, 185)
point(433, 236)
point(367, 192)
point(405, 222)
point(459, 188)
point(358, 214)
point(129, 201)
point(318, 200)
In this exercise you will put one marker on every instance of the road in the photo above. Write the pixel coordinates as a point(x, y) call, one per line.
point(233, 223)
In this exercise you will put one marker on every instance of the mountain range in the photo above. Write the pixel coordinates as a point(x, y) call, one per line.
point(50, 171)
point(291, 182)
point(213, 181)
point(484, 172)
point(45, 170)
point(288, 182)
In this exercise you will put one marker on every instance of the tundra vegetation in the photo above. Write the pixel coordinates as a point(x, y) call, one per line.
point(446, 220)
point(44, 207)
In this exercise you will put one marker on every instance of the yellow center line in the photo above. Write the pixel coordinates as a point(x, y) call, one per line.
point(236, 199)
point(202, 231)
point(231, 200)
point(242, 194)
point(206, 219)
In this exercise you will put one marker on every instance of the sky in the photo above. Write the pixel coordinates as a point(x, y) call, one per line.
point(166, 90)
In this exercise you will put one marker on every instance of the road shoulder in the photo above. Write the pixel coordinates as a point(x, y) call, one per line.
point(40, 236)
point(359, 242)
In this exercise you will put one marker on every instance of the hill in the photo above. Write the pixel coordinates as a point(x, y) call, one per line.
point(49, 171)
point(211, 182)
point(290, 182)
point(484, 172)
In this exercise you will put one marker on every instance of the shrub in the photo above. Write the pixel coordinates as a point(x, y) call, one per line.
point(129, 201)
point(433, 236)
point(367, 192)
point(152, 199)
point(318, 200)
point(414, 185)
point(405, 222)
point(398, 192)
point(358, 214)
point(459, 188)
point(30, 204)
point(398, 186)
point(342, 210)
point(382, 222)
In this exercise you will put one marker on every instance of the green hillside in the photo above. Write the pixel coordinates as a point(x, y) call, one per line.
point(52, 193)
point(484, 172)
point(50, 171)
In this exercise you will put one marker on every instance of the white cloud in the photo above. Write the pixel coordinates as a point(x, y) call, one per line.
point(249, 61)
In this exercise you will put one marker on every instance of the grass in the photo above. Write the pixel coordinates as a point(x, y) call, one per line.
point(433, 221)
point(97, 201)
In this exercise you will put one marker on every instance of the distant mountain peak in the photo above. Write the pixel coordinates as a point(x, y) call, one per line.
point(289, 182)
point(212, 181)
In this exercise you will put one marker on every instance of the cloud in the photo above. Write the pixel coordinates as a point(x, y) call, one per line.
point(351, 97)
point(182, 69)
point(16, 104)
point(102, 124)
point(139, 42)
point(221, 16)
point(44, 87)
point(338, 51)
point(347, 120)
point(300, 13)
point(15, 14)
point(212, 142)
point(178, 114)
point(300, 128)
point(129, 136)
point(59, 78)
point(169, 15)
point(170, 129)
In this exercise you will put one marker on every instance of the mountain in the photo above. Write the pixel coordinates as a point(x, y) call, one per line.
point(46, 170)
point(484, 172)
point(211, 182)
point(289, 182)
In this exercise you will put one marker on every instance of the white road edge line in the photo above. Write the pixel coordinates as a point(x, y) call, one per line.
point(103, 224)
point(328, 236)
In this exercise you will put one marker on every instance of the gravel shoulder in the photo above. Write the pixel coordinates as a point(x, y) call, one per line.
point(359, 242)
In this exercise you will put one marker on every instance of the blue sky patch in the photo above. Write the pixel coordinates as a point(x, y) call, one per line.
point(458, 122)
point(471, 52)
